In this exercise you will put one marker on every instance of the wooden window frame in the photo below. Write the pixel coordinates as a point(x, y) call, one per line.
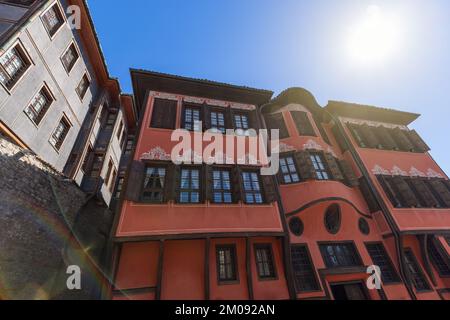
point(109, 171)
point(82, 94)
point(334, 209)
point(119, 188)
point(58, 145)
point(234, 264)
point(87, 158)
point(272, 261)
point(222, 191)
point(152, 190)
point(440, 251)
point(290, 173)
point(388, 261)
point(26, 65)
point(154, 121)
point(113, 180)
point(52, 33)
point(218, 129)
point(45, 91)
point(312, 266)
point(283, 132)
point(254, 193)
point(191, 190)
point(419, 270)
point(195, 107)
point(320, 172)
point(78, 55)
point(357, 256)
point(241, 114)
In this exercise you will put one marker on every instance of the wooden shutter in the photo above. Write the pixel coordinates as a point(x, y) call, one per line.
point(164, 114)
point(229, 118)
point(305, 166)
point(135, 181)
point(407, 195)
point(303, 124)
point(208, 179)
point(253, 122)
point(236, 184)
point(402, 140)
point(354, 129)
point(339, 138)
point(323, 133)
point(270, 194)
point(368, 195)
point(333, 167)
point(276, 121)
point(419, 144)
point(169, 182)
point(442, 191)
point(348, 173)
point(206, 117)
point(369, 136)
point(175, 183)
point(386, 139)
point(428, 198)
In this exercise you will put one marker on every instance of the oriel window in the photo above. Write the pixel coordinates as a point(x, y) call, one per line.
point(190, 186)
point(319, 167)
point(154, 183)
point(289, 170)
point(222, 186)
point(415, 272)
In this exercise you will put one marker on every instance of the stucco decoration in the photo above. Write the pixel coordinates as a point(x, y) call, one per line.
point(373, 123)
point(312, 145)
point(284, 147)
point(396, 171)
point(414, 172)
point(378, 170)
point(433, 174)
point(156, 153)
point(331, 151)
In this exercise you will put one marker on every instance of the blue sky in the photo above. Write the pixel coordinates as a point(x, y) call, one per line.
point(272, 44)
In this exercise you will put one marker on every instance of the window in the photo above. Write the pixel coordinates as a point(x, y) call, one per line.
point(108, 172)
point(357, 134)
point(53, 20)
point(276, 122)
point(164, 114)
point(60, 133)
point(154, 182)
point(83, 86)
point(338, 255)
point(289, 170)
point(222, 186)
point(13, 65)
point(380, 258)
point(415, 272)
point(109, 125)
point(264, 261)
point(192, 119)
point(252, 188)
point(226, 263)
point(218, 121)
point(390, 191)
point(119, 187)
point(129, 146)
point(113, 180)
point(190, 186)
point(304, 274)
point(87, 159)
point(120, 130)
point(97, 164)
point(304, 126)
point(241, 122)
point(439, 258)
point(39, 106)
point(319, 166)
point(70, 57)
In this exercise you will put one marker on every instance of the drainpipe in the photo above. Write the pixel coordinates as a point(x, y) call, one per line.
point(386, 213)
point(286, 243)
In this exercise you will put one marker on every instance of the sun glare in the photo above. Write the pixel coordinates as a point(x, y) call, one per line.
point(375, 38)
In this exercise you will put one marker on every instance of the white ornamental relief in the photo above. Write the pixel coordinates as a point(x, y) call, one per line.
point(286, 147)
point(156, 153)
point(433, 174)
point(312, 145)
point(396, 171)
point(414, 172)
point(378, 170)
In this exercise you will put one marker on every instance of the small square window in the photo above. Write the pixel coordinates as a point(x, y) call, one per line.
point(83, 86)
point(13, 65)
point(60, 133)
point(53, 19)
point(70, 57)
point(39, 105)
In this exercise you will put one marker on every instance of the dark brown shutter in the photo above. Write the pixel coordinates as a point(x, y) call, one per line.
point(206, 117)
point(323, 133)
point(236, 184)
point(276, 121)
point(422, 190)
point(164, 114)
point(419, 144)
point(229, 118)
point(357, 134)
point(305, 166)
point(369, 136)
point(253, 122)
point(208, 178)
point(135, 181)
point(303, 124)
point(407, 195)
point(402, 140)
point(442, 191)
point(339, 138)
point(270, 194)
point(175, 183)
point(368, 195)
point(386, 139)
point(169, 182)
point(333, 167)
point(349, 175)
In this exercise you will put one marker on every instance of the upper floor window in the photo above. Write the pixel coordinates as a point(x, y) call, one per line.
point(70, 57)
point(252, 188)
point(340, 255)
point(190, 186)
point(60, 133)
point(415, 272)
point(39, 105)
point(241, 122)
point(264, 261)
point(108, 172)
point(226, 263)
point(222, 186)
point(13, 65)
point(192, 119)
point(380, 258)
point(289, 170)
point(53, 19)
point(439, 258)
point(154, 183)
point(164, 114)
point(218, 121)
point(303, 123)
point(304, 272)
point(119, 187)
point(110, 121)
point(276, 122)
point(319, 166)
point(83, 86)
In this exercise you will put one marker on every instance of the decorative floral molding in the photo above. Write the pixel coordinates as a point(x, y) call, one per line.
point(156, 153)
point(414, 172)
point(312, 145)
point(396, 171)
point(286, 147)
point(433, 174)
point(372, 123)
point(378, 170)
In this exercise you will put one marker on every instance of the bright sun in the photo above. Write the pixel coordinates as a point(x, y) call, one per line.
point(375, 38)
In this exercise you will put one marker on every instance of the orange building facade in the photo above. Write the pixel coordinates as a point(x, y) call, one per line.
point(346, 197)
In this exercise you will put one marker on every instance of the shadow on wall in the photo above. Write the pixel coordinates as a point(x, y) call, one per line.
point(47, 224)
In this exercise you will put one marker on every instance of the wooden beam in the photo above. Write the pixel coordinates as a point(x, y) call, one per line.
point(160, 270)
point(249, 269)
point(207, 273)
